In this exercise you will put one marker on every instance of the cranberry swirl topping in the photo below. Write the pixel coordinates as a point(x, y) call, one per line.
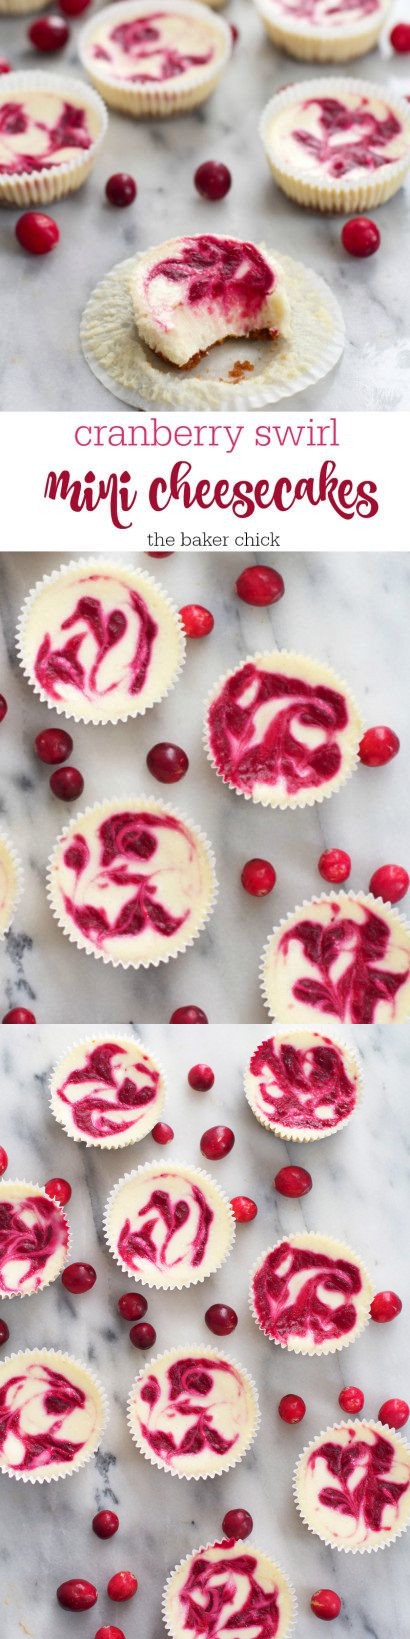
point(223, 1595)
point(167, 1229)
point(103, 1097)
point(303, 1292)
point(46, 144)
point(360, 1484)
point(303, 1086)
point(366, 149)
point(32, 1230)
point(131, 859)
point(108, 647)
point(150, 43)
point(260, 725)
point(329, 14)
point(347, 955)
point(37, 1408)
point(196, 1410)
point(229, 272)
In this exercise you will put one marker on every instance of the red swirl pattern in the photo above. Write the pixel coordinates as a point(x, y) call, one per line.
point(331, 16)
point(303, 1087)
point(56, 667)
point(306, 1314)
point(69, 131)
point(211, 1590)
point(356, 993)
point(246, 757)
point(367, 148)
point(96, 1112)
point(32, 1230)
point(231, 273)
point(359, 1473)
point(189, 1382)
point(142, 1246)
point(124, 839)
point(142, 39)
point(52, 1400)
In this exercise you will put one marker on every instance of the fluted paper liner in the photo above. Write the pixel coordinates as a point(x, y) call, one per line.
point(195, 1353)
point(285, 661)
point(173, 96)
point(122, 1139)
point(287, 1620)
point(138, 376)
point(319, 190)
point(58, 1360)
point(51, 181)
point(395, 921)
point(317, 43)
point(12, 863)
point(305, 1135)
point(103, 809)
point(7, 1185)
point(337, 1249)
point(100, 711)
point(148, 1274)
point(358, 1424)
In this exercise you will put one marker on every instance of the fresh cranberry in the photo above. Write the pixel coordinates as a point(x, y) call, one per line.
point(123, 1585)
point(4, 1331)
point(361, 236)
point(5, 68)
point(243, 1208)
point(394, 1412)
point(59, 1190)
point(201, 1078)
point(143, 1336)
point(400, 37)
point(334, 865)
point(3, 702)
point(37, 232)
point(77, 1595)
point(212, 181)
point(19, 1015)
point(53, 745)
point(385, 1306)
point(237, 1523)
point(159, 554)
point(168, 763)
point(196, 621)
point(48, 34)
point(120, 189)
point(351, 1399)
point(221, 1319)
point(4, 1160)
point(162, 1133)
point(260, 585)
point(216, 1142)
point(292, 1408)
point(73, 8)
point(132, 1306)
point(189, 1015)
point(293, 1181)
point(378, 746)
point(390, 882)
point(79, 1277)
point(326, 1604)
point(106, 1523)
point(108, 1632)
point(67, 783)
point(234, 33)
point(258, 877)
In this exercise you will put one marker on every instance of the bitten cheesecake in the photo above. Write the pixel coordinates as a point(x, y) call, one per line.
point(188, 294)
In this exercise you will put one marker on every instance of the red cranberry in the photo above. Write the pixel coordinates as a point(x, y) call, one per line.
point(237, 1523)
point(77, 1595)
point(360, 236)
point(167, 763)
point(120, 189)
point(105, 1524)
point(385, 1306)
point(19, 1015)
point(196, 621)
point(378, 746)
point(258, 877)
point(390, 882)
point(132, 1306)
point(260, 585)
point(59, 1190)
point(143, 1336)
point(221, 1319)
point(37, 232)
point(3, 702)
point(123, 1585)
point(234, 33)
point(212, 180)
point(4, 1331)
point(79, 1277)
point(394, 1412)
point(292, 1408)
point(216, 1142)
point(334, 865)
point(189, 1015)
point(53, 745)
point(4, 1160)
point(400, 37)
point(48, 34)
point(351, 1399)
point(243, 1208)
point(326, 1604)
point(67, 783)
point(73, 8)
point(108, 1632)
point(5, 68)
point(162, 1133)
point(293, 1181)
point(159, 554)
point(201, 1078)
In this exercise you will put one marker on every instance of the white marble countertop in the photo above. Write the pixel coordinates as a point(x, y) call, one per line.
point(360, 1194)
point(44, 297)
point(347, 609)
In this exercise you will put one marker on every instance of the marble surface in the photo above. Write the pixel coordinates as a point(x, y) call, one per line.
point(44, 298)
point(360, 1194)
point(346, 609)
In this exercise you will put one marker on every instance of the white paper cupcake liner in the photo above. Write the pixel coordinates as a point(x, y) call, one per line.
point(122, 1140)
point(185, 91)
point(195, 1352)
point(39, 187)
point(7, 1184)
point(59, 1360)
point(17, 881)
point(395, 920)
point(284, 1632)
point(315, 1238)
point(148, 1275)
point(317, 44)
point(128, 369)
point(74, 710)
point(104, 809)
point(325, 675)
point(326, 193)
point(295, 1135)
point(344, 1547)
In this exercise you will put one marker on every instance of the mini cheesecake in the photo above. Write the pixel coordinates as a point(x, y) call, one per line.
point(302, 1085)
point(51, 130)
point(169, 1225)
point(352, 1486)
point(282, 729)
point(188, 294)
point(228, 1587)
point(146, 59)
point(337, 145)
point(52, 1415)
point(193, 1412)
point(34, 1239)
point(320, 31)
point(311, 1294)
point(107, 1092)
point(340, 956)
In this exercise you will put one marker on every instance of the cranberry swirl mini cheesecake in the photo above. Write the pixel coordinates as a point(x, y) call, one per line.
point(282, 730)
point(340, 956)
point(352, 1486)
point(302, 1085)
point(34, 1239)
point(107, 1092)
point(52, 1415)
point(189, 294)
point(11, 882)
point(311, 1294)
point(51, 130)
point(324, 30)
point(337, 145)
point(100, 641)
point(228, 1587)
point(155, 58)
point(193, 1412)
point(169, 1225)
